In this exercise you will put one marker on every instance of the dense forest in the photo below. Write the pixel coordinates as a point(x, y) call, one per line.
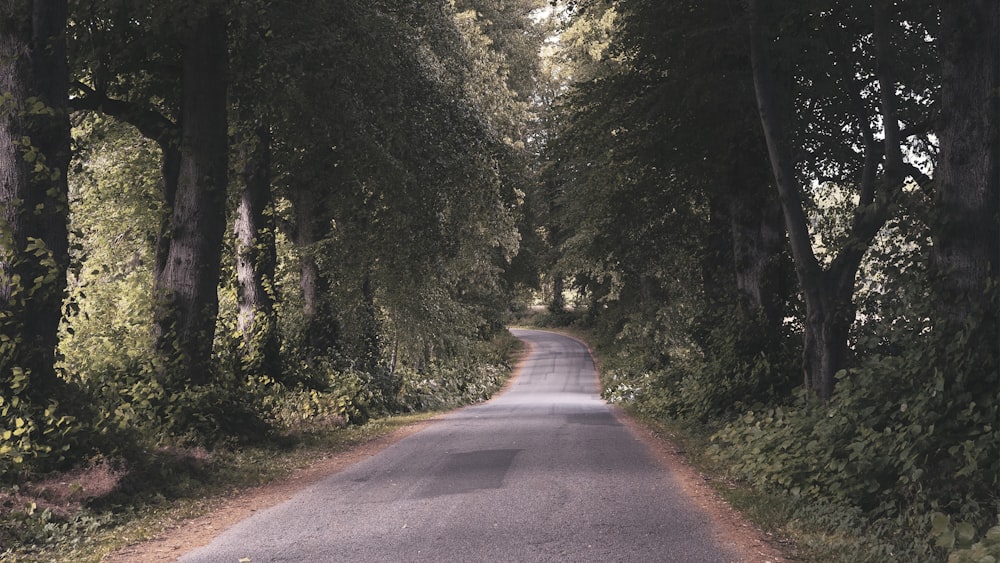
point(787, 216)
point(221, 219)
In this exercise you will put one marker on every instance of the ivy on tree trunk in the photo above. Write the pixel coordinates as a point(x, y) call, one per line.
point(34, 157)
point(256, 258)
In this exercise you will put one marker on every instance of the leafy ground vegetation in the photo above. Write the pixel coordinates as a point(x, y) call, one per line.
point(235, 235)
point(221, 220)
point(755, 207)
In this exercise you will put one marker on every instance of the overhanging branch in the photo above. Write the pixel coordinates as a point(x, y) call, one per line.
point(152, 124)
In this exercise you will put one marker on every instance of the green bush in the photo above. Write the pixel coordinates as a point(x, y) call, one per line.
point(346, 399)
point(987, 550)
point(741, 366)
point(905, 435)
point(35, 429)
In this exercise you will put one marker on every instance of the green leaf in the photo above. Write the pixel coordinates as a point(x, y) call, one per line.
point(965, 534)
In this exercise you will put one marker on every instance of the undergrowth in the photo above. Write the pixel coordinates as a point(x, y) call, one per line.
point(902, 465)
point(135, 493)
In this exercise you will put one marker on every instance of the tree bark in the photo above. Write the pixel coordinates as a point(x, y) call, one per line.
point(34, 158)
point(758, 238)
point(256, 257)
point(187, 288)
point(828, 293)
point(966, 250)
point(312, 225)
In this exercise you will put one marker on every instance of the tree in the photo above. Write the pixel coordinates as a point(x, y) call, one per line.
point(828, 291)
point(188, 284)
point(254, 72)
point(966, 251)
point(34, 157)
point(195, 157)
point(256, 256)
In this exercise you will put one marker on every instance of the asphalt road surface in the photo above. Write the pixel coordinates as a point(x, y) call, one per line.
point(544, 472)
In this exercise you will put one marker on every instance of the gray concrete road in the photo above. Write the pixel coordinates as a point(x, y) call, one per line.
point(544, 472)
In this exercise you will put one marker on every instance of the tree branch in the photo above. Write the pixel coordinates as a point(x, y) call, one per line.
point(782, 161)
point(887, 87)
point(152, 124)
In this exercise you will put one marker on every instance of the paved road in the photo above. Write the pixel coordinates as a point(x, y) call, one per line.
point(544, 472)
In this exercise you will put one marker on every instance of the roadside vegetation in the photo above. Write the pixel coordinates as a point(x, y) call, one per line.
point(778, 221)
point(115, 500)
point(228, 226)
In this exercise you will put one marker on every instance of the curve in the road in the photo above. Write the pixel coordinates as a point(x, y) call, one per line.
point(544, 472)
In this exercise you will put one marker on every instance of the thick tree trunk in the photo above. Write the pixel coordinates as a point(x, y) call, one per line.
point(188, 285)
point(830, 312)
point(34, 157)
point(758, 238)
point(828, 293)
point(256, 257)
point(966, 251)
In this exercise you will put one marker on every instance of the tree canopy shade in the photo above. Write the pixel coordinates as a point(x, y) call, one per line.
point(367, 158)
point(785, 214)
point(734, 184)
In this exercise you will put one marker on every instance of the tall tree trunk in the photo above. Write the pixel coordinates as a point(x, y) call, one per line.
point(170, 170)
point(823, 348)
point(187, 288)
point(966, 251)
point(34, 158)
point(312, 225)
point(758, 238)
point(828, 293)
point(256, 257)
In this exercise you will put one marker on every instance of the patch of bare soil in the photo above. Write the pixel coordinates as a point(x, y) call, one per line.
point(64, 494)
